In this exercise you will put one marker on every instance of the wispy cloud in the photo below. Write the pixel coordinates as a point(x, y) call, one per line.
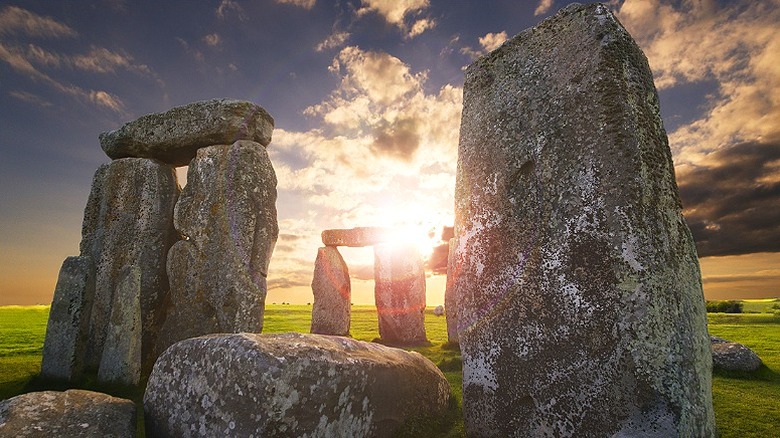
point(488, 43)
point(227, 7)
point(395, 12)
point(212, 40)
point(543, 7)
point(15, 20)
point(334, 40)
point(305, 4)
point(31, 98)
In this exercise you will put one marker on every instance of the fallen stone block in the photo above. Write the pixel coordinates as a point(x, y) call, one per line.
point(289, 385)
point(733, 356)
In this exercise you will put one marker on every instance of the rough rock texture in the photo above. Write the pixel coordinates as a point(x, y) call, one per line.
point(450, 302)
point(330, 314)
point(227, 212)
point(174, 136)
point(399, 292)
point(73, 413)
point(68, 326)
point(733, 356)
point(356, 237)
point(438, 310)
point(129, 221)
point(576, 275)
point(121, 359)
point(296, 385)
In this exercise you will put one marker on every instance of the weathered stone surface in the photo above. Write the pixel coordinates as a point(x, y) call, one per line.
point(129, 221)
point(576, 276)
point(330, 285)
point(399, 293)
point(291, 384)
point(73, 413)
point(68, 326)
point(450, 301)
point(356, 237)
point(121, 358)
point(733, 356)
point(174, 136)
point(438, 310)
point(227, 211)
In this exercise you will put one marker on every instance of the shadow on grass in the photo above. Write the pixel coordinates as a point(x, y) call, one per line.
point(763, 374)
point(442, 426)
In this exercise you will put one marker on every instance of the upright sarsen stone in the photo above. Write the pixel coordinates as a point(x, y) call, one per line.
point(576, 276)
point(68, 326)
point(330, 286)
point(129, 221)
point(227, 213)
point(121, 358)
point(399, 293)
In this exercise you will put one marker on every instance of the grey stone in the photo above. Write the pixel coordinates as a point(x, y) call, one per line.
point(576, 276)
point(330, 285)
point(357, 237)
point(733, 356)
point(227, 212)
point(73, 413)
point(438, 310)
point(174, 136)
point(121, 358)
point(68, 326)
point(399, 293)
point(450, 301)
point(297, 385)
point(129, 221)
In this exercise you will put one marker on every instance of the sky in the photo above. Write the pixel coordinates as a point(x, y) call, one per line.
point(366, 95)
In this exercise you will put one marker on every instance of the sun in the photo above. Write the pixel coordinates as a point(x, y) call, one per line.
point(413, 223)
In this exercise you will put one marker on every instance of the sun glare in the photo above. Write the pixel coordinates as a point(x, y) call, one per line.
point(413, 224)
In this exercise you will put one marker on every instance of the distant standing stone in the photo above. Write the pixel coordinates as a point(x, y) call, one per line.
point(121, 358)
point(733, 356)
point(576, 276)
point(438, 310)
point(357, 237)
point(129, 221)
point(290, 384)
point(68, 327)
point(227, 212)
point(73, 413)
point(174, 136)
point(399, 293)
point(330, 285)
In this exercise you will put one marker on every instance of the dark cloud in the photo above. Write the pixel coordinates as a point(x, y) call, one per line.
point(399, 139)
point(732, 200)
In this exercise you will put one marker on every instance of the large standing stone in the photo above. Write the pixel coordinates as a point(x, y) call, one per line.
point(68, 326)
point(357, 237)
point(450, 301)
point(577, 279)
point(227, 212)
point(129, 221)
point(174, 136)
point(73, 413)
point(332, 294)
point(121, 358)
point(291, 384)
point(399, 293)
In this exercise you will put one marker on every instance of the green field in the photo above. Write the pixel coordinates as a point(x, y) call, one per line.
point(746, 405)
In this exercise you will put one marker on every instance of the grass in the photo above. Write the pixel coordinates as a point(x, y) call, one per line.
point(746, 405)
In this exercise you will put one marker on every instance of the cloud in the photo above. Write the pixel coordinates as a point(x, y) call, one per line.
point(395, 12)
point(15, 20)
point(492, 41)
point(334, 40)
point(543, 7)
point(399, 138)
point(102, 60)
point(226, 7)
point(731, 199)
point(735, 44)
point(30, 98)
point(107, 100)
point(212, 40)
point(305, 4)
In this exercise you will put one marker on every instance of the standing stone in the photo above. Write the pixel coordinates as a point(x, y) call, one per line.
point(73, 413)
point(576, 275)
point(68, 326)
point(129, 221)
point(227, 212)
point(174, 136)
point(290, 385)
point(399, 293)
point(121, 358)
point(450, 301)
point(332, 294)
